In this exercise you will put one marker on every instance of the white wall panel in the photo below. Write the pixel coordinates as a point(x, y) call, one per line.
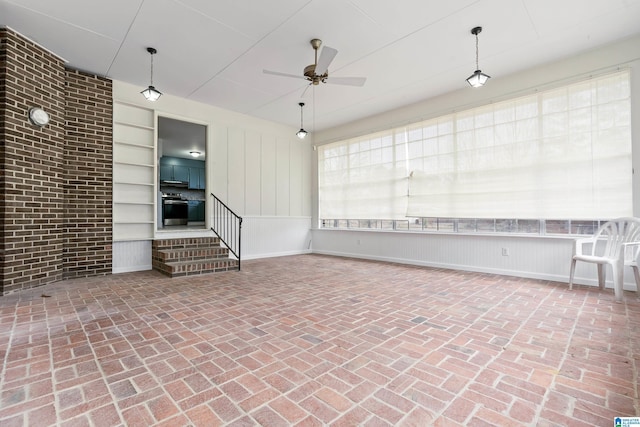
point(131, 256)
point(295, 189)
point(283, 177)
point(253, 188)
point(217, 161)
point(307, 180)
point(236, 173)
point(268, 175)
point(275, 236)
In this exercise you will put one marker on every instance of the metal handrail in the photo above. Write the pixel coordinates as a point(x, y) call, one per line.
point(227, 225)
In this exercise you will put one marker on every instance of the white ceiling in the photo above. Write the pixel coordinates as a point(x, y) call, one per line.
point(214, 51)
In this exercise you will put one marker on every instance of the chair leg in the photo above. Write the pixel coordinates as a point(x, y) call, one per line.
point(636, 274)
point(602, 275)
point(618, 280)
point(571, 271)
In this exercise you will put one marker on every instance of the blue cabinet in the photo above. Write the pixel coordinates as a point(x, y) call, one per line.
point(196, 210)
point(181, 173)
point(188, 171)
point(197, 178)
point(174, 173)
point(166, 172)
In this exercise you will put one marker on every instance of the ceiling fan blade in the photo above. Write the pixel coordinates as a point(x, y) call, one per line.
point(277, 73)
point(326, 56)
point(347, 81)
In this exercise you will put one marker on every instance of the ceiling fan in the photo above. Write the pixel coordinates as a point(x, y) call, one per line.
point(319, 71)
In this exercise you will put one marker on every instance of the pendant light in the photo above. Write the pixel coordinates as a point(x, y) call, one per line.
point(151, 93)
point(478, 78)
point(301, 133)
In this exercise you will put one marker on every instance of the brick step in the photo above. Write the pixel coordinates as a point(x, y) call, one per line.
point(186, 243)
point(190, 268)
point(191, 254)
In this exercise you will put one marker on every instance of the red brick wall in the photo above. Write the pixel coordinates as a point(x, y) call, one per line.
point(88, 165)
point(54, 219)
point(31, 209)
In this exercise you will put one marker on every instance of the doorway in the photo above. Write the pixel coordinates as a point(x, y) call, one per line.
point(182, 175)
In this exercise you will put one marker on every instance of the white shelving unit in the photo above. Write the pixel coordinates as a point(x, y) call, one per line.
point(134, 172)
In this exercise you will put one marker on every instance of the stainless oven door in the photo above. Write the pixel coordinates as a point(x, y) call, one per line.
point(175, 212)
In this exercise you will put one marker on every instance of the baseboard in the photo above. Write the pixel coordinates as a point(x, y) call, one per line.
point(276, 254)
point(475, 269)
point(131, 269)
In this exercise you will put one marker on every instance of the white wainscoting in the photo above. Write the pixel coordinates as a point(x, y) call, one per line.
point(271, 236)
point(131, 255)
point(546, 258)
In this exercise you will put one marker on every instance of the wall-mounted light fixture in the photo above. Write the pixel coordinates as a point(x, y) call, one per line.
point(194, 153)
point(151, 93)
point(38, 116)
point(301, 133)
point(478, 78)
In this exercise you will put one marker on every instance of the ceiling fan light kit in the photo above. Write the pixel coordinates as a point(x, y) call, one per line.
point(151, 93)
point(478, 78)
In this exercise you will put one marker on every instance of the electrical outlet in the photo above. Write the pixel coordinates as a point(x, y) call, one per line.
point(505, 251)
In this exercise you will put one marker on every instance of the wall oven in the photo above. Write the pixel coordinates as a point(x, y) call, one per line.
point(175, 210)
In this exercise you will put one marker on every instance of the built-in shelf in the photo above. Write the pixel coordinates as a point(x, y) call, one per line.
point(134, 172)
point(133, 144)
point(139, 222)
point(133, 164)
point(133, 105)
point(134, 183)
point(120, 202)
point(135, 125)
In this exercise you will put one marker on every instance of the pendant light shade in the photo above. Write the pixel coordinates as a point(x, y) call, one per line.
point(301, 133)
point(478, 78)
point(151, 93)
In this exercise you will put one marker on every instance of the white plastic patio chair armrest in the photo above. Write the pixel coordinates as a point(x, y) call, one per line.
point(631, 252)
point(578, 245)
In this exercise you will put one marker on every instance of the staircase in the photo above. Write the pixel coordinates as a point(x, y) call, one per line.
point(191, 256)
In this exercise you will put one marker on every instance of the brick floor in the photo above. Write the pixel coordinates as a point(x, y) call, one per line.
point(314, 340)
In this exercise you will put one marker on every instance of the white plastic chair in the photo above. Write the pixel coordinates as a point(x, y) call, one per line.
point(616, 243)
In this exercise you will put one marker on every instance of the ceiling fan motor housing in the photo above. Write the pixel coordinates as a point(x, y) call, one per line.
point(310, 74)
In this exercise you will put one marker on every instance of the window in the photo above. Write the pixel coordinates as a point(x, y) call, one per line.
point(561, 153)
point(548, 227)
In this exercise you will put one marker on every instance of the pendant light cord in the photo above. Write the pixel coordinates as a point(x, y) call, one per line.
point(477, 66)
point(152, 69)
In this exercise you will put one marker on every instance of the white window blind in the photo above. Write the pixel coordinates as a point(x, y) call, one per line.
point(362, 178)
point(561, 153)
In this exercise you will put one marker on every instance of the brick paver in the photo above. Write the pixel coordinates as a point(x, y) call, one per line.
point(317, 340)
